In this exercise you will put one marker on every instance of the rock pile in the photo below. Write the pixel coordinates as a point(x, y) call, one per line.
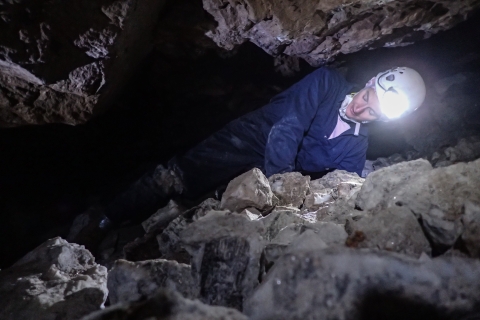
point(402, 241)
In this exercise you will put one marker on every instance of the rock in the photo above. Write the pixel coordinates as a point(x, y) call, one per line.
point(169, 240)
point(279, 219)
point(471, 235)
point(252, 213)
point(290, 188)
point(132, 281)
point(467, 149)
point(394, 230)
point(50, 73)
point(225, 250)
point(435, 196)
point(319, 31)
point(250, 189)
point(301, 236)
point(334, 178)
point(166, 305)
point(57, 280)
point(113, 246)
point(340, 283)
point(162, 217)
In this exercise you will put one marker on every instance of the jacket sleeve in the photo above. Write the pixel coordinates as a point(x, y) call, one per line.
point(299, 105)
point(355, 159)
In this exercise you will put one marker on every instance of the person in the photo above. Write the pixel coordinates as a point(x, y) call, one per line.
point(316, 125)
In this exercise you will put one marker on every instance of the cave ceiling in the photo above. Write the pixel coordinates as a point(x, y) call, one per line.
point(66, 62)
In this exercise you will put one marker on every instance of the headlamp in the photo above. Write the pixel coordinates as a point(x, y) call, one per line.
point(394, 104)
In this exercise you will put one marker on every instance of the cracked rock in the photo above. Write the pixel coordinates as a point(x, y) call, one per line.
point(225, 250)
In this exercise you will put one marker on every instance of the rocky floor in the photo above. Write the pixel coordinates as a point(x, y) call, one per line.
point(403, 243)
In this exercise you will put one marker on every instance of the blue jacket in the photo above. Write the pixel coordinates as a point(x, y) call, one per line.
point(292, 130)
point(288, 134)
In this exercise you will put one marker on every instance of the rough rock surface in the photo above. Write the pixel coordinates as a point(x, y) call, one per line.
point(132, 281)
point(64, 61)
point(436, 196)
point(162, 217)
point(347, 284)
point(290, 188)
point(394, 230)
point(250, 189)
point(166, 305)
point(169, 240)
point(471, 235)
point(317, 31)
point(225, 250)
point(57, 280)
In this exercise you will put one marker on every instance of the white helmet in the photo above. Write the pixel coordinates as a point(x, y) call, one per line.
point(400, 91)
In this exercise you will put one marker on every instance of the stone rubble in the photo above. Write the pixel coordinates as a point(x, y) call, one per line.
point(57, 280)
point(407, 236)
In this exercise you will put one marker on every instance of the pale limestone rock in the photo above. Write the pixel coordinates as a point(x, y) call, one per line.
point(394, 230)
point(162, 217)
point(435, 196)
point(250, 189)
point(57, 280)
point(132, 281)
point(290, 188)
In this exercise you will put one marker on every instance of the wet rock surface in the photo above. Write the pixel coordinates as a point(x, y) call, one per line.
point(57, 280)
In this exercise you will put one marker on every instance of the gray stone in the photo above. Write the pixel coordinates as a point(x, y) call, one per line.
point(290, 188)
point(394, 230)
point(166, 305)
point(341, 283)
point(471, 233)
point(132, 281)
point(436, 196)
point(295, 237)
point(226, 251)
point(279, 219)
point(250, 189)
point(169, 240)
point(162, 217)
point(334, 178)
point(57, 280)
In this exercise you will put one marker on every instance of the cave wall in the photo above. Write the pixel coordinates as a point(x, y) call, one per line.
point(317, 31)
point(62, 62)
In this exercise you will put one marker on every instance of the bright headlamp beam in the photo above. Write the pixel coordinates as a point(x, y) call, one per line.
point(394, 104)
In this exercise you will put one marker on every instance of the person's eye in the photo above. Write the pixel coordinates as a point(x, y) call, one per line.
point(365, 97)
point(371, 112)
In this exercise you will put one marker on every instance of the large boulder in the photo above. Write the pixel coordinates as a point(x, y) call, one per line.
point(62, 62)
point(436, 196)
point(57, 280)
point(340, 283)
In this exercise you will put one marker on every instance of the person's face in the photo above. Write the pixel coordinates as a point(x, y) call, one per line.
point(364, 106)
